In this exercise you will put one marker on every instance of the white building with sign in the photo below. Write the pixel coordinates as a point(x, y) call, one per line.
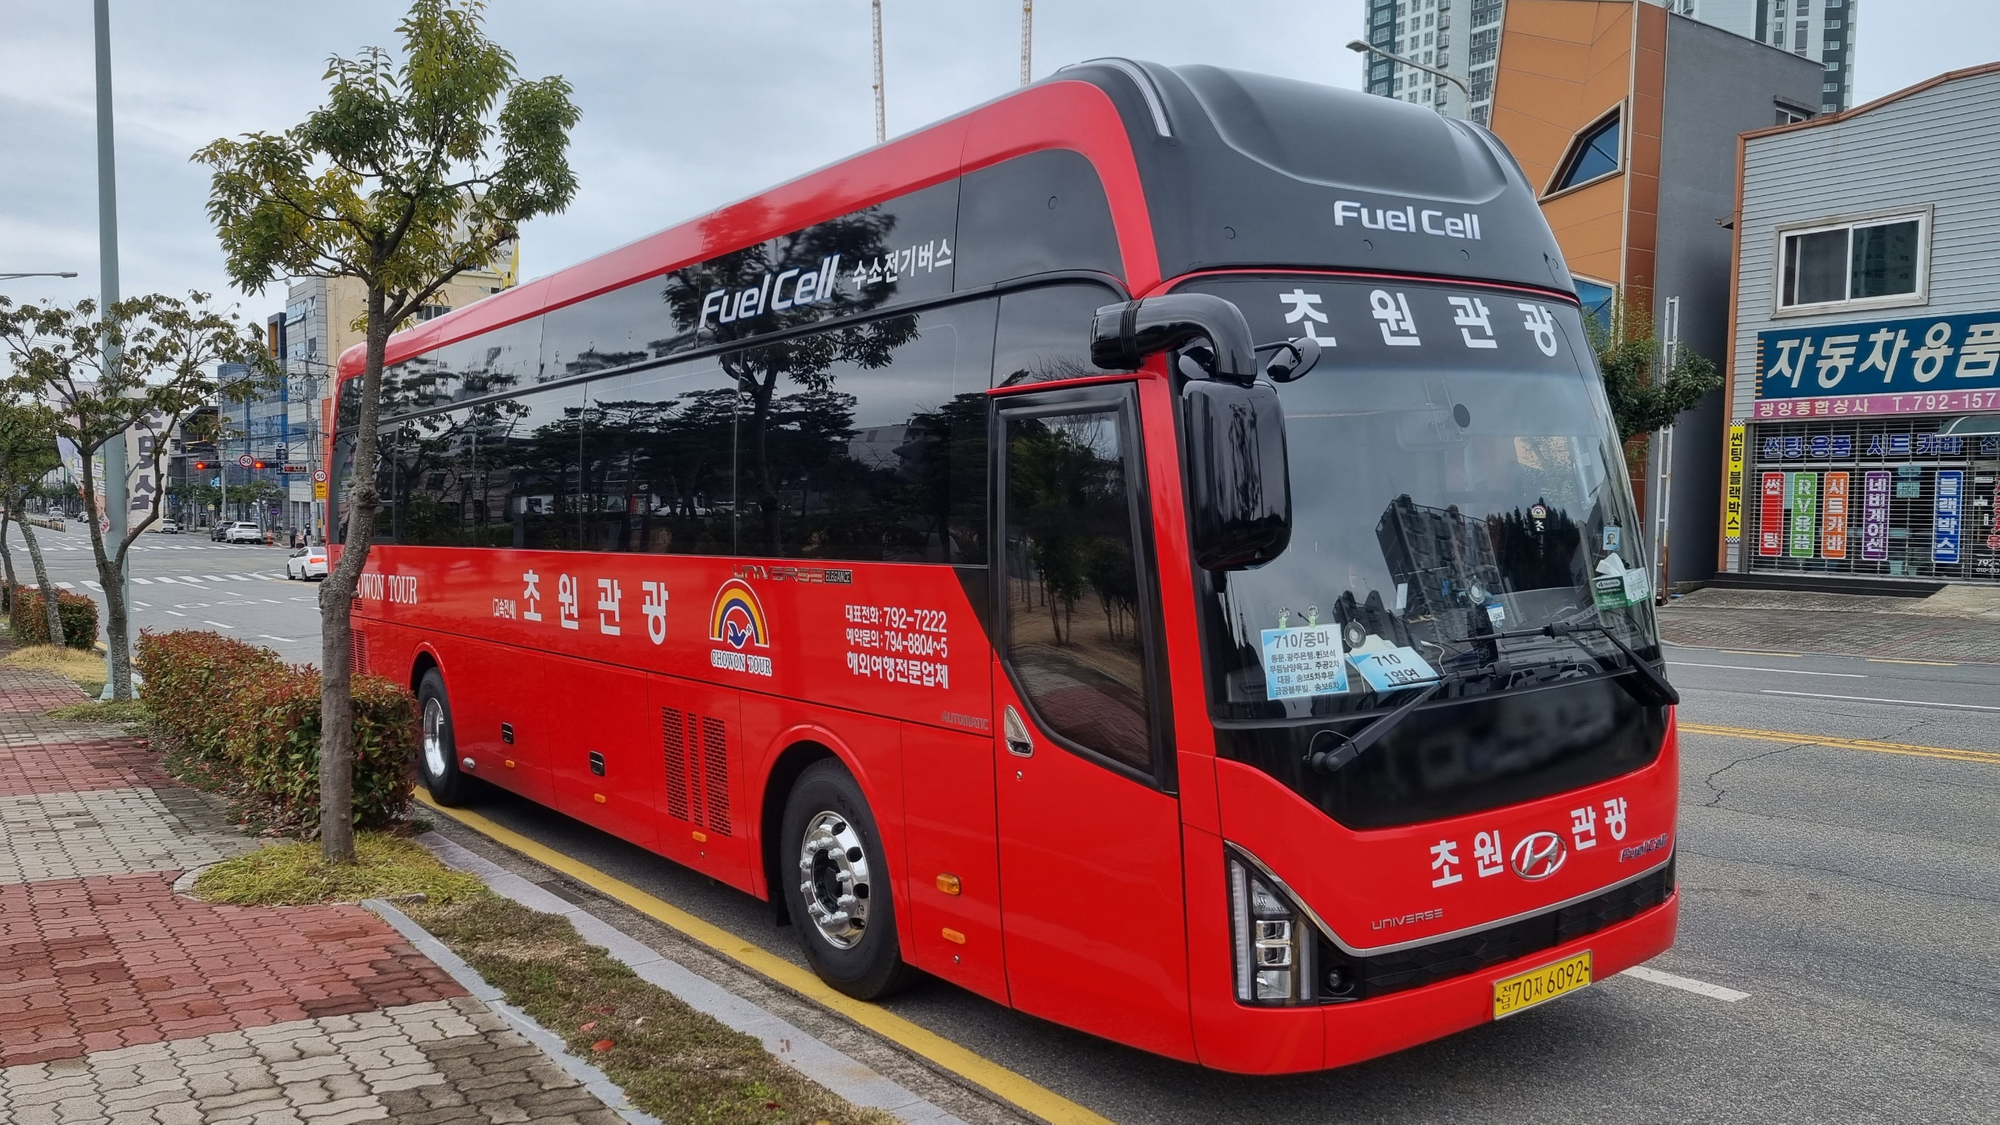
point(1865, 355)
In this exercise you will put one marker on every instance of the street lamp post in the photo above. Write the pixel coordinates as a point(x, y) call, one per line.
point(16, 276)
point(1372, 49)
point(107, 242)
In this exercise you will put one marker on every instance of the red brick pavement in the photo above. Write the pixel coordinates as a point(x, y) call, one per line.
point(20, 700)
point(92, 964)
point(75, 767)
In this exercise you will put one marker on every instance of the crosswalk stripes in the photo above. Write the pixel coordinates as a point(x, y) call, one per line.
point(206, 581)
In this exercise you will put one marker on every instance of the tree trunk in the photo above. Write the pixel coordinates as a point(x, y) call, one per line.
point(110, 576)
point(7, 557)
point(42, 580)
point(336, 601)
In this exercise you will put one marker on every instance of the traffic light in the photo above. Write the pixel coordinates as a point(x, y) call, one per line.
point(200, 466)
point(257, 464)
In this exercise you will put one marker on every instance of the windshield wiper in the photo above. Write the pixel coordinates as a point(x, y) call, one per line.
point(1656, 689)
point(1348, 749)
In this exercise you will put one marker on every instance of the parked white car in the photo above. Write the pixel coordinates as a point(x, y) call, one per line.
point(243, 531)
point(167, 527)
point(307, 563)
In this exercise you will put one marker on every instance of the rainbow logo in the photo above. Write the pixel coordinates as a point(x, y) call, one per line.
point(737, 618)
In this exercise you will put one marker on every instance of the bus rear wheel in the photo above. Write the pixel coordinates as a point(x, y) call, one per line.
point(836, 879)
point(437, 750)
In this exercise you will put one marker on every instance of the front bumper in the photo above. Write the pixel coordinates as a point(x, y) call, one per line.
point(1251, 1040)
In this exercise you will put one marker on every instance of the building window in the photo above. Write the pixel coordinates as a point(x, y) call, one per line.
point(1597, 299)
point(432, 312)
point(1482, 88)
point(1485, 46)
point(1882, 260)
point(1592, 155)
point(1486, 11)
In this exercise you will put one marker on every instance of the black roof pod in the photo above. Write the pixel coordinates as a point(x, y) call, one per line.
point(1247, 170)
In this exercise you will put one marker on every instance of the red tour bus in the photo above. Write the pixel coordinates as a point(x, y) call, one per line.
point(959, 547)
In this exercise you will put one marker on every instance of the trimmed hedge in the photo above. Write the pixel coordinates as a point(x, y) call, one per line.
point(31, 624)
point(243, 714)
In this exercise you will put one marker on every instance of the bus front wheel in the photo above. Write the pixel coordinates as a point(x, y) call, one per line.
point(437, 750)
point(837, 878)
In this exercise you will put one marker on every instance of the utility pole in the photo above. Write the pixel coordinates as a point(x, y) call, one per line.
point(1027, 41)
point(881, 117)
point(107, 249)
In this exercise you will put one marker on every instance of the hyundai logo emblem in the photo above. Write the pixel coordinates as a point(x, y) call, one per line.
point(1539, 856)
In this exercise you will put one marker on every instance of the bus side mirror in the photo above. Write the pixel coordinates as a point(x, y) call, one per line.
point(1239, 478)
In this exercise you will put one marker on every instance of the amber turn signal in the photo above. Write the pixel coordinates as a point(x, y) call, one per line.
point(701, 837)
point(948, 884)
point(599, 797)
point(954, 937)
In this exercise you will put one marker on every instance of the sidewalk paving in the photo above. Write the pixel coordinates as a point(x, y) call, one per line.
point(122, 1001)
point(1958, 623)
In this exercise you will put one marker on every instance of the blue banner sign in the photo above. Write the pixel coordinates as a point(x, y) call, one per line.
point(1944, 516)
point(1931, 353)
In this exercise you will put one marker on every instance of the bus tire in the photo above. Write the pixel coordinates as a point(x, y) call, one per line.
point(836, 879)
point(437, 749)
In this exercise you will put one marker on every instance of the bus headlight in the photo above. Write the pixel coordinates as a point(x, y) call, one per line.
point(1272, 941)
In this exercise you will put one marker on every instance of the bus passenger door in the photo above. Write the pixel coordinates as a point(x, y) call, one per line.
point(1090, 853)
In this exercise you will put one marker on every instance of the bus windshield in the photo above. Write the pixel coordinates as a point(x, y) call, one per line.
point(1455, 477)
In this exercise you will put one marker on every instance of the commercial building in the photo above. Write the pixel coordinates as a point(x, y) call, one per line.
point(1627, 116)
point(1463, 38)
point(1820, 30)
point(1865, 358)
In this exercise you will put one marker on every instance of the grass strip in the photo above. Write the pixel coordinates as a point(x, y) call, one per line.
point(79, 665)
point(678, 1064)
point(130, 713)
point(292, 874)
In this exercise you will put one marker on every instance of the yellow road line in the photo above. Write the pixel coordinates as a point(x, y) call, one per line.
point(1002, 1083)
point(1927, 663)
point(1946, 753)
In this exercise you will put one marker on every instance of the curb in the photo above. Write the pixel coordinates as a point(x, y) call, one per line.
point(468, 978)
point(825, 1064)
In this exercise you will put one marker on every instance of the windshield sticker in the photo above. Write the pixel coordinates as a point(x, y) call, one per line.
point(1304, 311)
point(1388, 669)
point(1542, 323)
point(1303, 660)
point(1472, 313)
point(1399, 329)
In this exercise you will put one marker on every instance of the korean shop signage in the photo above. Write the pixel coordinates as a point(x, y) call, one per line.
point(1923, 365)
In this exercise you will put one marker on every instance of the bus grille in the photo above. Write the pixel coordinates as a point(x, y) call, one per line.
point(697, 758)
point(1427, 964)
point(357, 651)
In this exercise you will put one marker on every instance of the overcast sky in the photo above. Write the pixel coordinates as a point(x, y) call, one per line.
point(685, 105)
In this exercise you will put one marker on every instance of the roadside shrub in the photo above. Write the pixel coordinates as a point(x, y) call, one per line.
point(31, 625)
point(195, 684)
point(276, 744)
point(251, 724)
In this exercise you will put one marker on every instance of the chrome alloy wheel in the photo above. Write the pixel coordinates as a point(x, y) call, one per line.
point(833, 877)
point(434, 738)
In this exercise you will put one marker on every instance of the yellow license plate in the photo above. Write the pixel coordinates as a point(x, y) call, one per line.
point(1525, 990)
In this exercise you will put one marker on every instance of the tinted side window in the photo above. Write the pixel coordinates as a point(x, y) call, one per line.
point(659, 461)
point(537, 445)
point(1033, 214)
point(867, 443)
point(1072, 583)
point(1044, 334)
point(612, 329)
point(430, 495)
